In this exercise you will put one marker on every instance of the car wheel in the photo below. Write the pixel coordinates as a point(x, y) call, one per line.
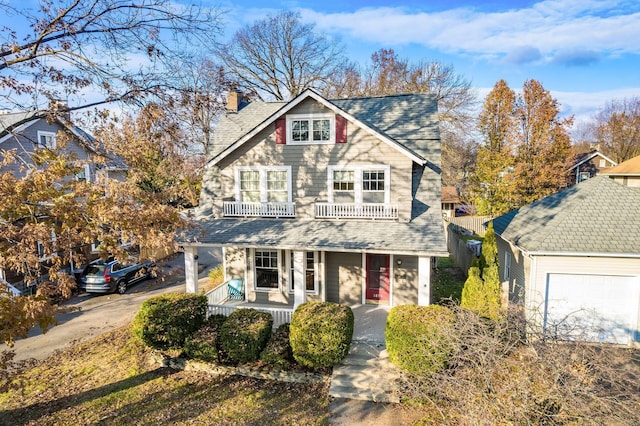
point(121, 287)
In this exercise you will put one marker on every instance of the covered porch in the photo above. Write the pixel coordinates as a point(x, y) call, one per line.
point(369, 320)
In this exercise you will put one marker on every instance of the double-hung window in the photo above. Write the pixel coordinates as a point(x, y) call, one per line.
point(311, 128)
point(359, 184)
point(46, 139)
point(266, 269)
point(263, 184)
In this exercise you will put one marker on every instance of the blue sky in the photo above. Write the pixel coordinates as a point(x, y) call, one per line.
point(586, 52)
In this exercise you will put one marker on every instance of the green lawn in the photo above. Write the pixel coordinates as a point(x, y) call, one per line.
point(109, 381)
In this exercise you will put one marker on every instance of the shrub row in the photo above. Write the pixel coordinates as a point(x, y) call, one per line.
point(319, 335)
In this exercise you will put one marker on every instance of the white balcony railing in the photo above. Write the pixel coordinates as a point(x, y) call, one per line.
point(351, 210)
point(234, 209)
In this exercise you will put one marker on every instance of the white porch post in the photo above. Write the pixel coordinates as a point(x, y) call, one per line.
point(424, 280)
point(191, 268)
point(299, 285)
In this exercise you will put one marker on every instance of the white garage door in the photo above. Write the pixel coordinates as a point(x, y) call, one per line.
point(598, 308)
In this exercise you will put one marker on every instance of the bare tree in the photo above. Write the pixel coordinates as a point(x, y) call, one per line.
point(617, 128)
point(280, 56)
point(112, 50)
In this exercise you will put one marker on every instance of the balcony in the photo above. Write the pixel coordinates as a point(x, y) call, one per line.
point(356, 211)
point(240, 209)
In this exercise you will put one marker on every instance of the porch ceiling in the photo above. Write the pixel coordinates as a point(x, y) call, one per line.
point(424, 238)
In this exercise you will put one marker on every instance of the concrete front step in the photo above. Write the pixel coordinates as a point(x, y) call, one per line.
point(365, 374)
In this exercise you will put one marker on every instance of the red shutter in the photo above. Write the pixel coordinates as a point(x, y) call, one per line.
point(341, 129)
point(281, 130)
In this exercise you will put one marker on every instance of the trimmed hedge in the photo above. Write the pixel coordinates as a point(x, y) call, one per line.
point(321, 333)
point(278, 352)
point(166, 321)
point(418, 337)
point(204, 344)
point(245, 334)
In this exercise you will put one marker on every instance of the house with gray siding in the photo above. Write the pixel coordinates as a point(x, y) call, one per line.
point(572, 261)
point(26, 134)
point(322, 199)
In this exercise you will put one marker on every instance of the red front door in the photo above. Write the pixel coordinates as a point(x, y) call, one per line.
point(377, 277)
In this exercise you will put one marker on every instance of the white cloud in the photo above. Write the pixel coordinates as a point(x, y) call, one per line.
point(548, 26)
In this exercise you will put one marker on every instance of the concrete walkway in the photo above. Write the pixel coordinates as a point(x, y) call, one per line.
point(366, 373)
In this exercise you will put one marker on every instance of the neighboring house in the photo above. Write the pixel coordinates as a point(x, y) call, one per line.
point(572, 260)
point(588, 164)
point(627, 172)
point(38, 133)
point(319, 199)
point(450, 201)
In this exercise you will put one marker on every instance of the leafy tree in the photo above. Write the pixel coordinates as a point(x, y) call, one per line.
point(494, 158)
point(543, 145)
point(280, 56)
point(526, 148)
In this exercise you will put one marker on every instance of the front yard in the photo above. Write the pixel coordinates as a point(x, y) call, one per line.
point(110, 381)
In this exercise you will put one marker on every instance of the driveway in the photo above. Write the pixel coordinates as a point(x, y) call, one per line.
point(93, 315)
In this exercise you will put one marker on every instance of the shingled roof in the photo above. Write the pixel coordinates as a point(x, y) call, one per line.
point(631, 167)
point(408, 120)
point(597, 216)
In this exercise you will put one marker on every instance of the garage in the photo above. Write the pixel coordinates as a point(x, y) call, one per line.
point(597, 308)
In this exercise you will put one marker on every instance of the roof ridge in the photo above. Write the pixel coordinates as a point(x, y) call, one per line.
point(351, 98)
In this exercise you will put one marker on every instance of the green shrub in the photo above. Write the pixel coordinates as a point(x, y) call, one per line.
point(216, 275)
point(204, 344)
point(321, 333)
point(278, 352)
point(165, 321)
point(245, 334)
point(419, 338)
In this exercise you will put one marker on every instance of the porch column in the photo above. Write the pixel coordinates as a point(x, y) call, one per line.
point(191, 268)
point(299, 285)
point(424, 280)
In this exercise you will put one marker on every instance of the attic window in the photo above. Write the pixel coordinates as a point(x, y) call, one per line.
point(311, 129)
point(47, 139)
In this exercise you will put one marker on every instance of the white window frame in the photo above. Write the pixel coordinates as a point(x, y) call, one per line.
point(316, 272)
point(310, 118)
point(358, 187)
point(51, 144)
point(506, 274)
point(85, 174)
point(603, 163)
point(40, 247)
point(263, 180)
point(255, 272)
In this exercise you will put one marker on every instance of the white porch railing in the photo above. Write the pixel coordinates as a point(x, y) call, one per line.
point(280, 316)
point(218, 295)
point(352, 210)
point(234, 209)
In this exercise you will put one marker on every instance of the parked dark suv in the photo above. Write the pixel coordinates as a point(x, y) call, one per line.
point(108, 276)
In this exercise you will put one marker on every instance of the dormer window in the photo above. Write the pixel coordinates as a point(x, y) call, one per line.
point(311, 128)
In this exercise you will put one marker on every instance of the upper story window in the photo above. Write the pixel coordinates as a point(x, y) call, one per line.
point(46, 139)
point(84, 174)
point(359, 184)
point(263, 184)
point(311, 128)
point(603, 163)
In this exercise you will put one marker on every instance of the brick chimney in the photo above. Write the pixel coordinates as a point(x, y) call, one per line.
point(234, 98)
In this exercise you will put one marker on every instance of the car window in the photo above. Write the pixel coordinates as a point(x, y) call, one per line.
point(117, 267)
point(95, 269)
